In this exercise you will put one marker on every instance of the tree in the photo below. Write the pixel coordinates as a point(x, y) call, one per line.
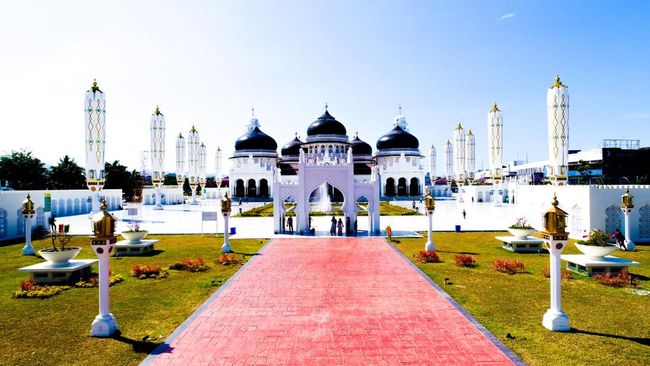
point(23, 171)
point(66, 175)
point(170, 180)
point(118, 177)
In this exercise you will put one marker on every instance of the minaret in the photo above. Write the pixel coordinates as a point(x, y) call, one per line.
point(432, 164)
point(557, 102)
point(157, 154)
point(181, 155)
point(470, 155)
point(95, 116)
point(459, 151)
point(193, 143)
point(449, 160)
point(203, 159)
point(495, 143)
point(217, 167)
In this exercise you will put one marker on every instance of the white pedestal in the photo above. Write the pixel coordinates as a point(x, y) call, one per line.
point(556, 321)
point(225, 248)
point(583, 264)
point(103, 325)
point(52, 273)
point(530, 244)
point(430, 245)
point(127, 248)
point(28, 249)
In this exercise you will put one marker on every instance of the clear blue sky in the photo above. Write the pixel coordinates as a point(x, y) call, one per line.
point(207, 62)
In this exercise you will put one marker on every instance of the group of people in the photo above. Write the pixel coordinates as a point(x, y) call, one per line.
point(337, 227)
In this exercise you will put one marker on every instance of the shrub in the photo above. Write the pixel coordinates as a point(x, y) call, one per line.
point(30, 290)
point(621, 279)
point(148, 271)
point(93, 280)
point(565, 273)
point(465, 260)
point(228, 259)
point(508, 266)
point(427, 256)
point(190, 265)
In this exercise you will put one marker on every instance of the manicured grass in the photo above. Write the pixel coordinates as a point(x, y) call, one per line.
point(611, 325)
point(385, 209)
point(55, 331)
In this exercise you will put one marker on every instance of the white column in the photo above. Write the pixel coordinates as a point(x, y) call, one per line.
point(158, 205)
point(430, 245)
point(555, 319)
point(95, 201)
point(629, 244)
point(104, 324)
point(557, 102)
point(225, 248)
point(28, 249)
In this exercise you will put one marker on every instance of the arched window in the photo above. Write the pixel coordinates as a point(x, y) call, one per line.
point(401, 187)
point(252, 188)
point(389, 190)
point(415, 187)
point(264, 188)
point(3, 223)
point(239, 188)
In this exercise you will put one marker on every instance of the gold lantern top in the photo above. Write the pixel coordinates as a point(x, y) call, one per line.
point(225, 203)
point(627, 199)
point(429, 202)
point(28, 206)
point(103, 223)
point(555, 219)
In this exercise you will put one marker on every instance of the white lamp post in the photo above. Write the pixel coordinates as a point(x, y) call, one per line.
point(225, 210)
point(555, 236)
point(103, 243)
point(95, 116)
point(430, 205)
point(627, 204)
point(193, 142)
point(28, 214)
point(158, 154)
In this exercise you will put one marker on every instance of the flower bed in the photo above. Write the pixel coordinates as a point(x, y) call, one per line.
point(508, 266)
point(93, 280)
point(30, 290)
point(621, 279)
point(190, 265)
point(465, 260)
point(427, 256)
point(149, 271)
point(228, 259)
point(565, 273)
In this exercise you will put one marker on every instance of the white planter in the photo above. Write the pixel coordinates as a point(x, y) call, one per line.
point(134, 236)
point(594, 251)
point(521, 233)
point(60, 256)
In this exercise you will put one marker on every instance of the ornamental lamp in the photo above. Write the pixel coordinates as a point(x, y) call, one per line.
point(103, 224)
point(225, 204)
point(555, 220)
point(429, 202)
point(28, 206)
point(627, 200)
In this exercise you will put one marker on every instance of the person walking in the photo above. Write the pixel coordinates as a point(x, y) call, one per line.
point(333, 226)
point(290, 224)
point(339, 226)
point(464, 214)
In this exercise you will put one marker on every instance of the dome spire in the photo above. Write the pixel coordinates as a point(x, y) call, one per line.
point(95, 88)
point(253, 111)
point(400, 109)
point(558, 82)
point(459, 127)
point(326, 106)
point(495, 108)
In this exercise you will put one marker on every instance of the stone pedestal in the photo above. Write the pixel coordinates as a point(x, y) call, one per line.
point(48, 273)
point(530, 244)
point(589, 266)
point(141, 247)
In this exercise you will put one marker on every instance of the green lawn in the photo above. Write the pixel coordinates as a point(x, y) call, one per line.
point(55, 331)
point(385, 209)
point(612, 326)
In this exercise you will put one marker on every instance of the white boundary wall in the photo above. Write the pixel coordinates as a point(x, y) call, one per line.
point(171, 195)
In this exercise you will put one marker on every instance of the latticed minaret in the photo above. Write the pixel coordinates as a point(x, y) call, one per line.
point(217, 167)
point(449, 159)
point(95, 116)
point(557, 102)
point(459, 151)
point(495, 143)
point(193, 144)
point(203, 159)
point(432, 164)
point(157, 148)
point(181, 156)
point(470, 155)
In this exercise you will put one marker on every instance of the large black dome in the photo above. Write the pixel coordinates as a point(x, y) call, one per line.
point(397, 138)
point(255, 140)
point(326, 125)
point(292, 148)
point(360, 147)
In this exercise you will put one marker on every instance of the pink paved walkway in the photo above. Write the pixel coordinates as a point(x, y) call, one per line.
point(325, 301)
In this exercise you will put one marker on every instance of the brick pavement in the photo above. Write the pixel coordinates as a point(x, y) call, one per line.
point(330, 301)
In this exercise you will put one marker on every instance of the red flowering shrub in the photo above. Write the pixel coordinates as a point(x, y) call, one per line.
point(148, 271)
point(565, 273)
point(27, 285)
point(228, 259)
point(428, 256)
point(465, 260)
point(508, 266)
point(621, 279)
point(30, 290)
point(190, 265)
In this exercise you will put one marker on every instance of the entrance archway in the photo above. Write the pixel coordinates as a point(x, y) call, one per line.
point(389, 190)
point(414, 189)
point(264, 188)
point(239, 188)
point(252, 188)
point(401, 187)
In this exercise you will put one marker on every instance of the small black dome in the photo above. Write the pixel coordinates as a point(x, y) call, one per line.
point(360, 147)
point(255, 140)
point(292, 148)
point(397, 138)
point(326, 125)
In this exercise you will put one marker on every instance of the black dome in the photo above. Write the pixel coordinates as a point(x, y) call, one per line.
point(255, 140)
point(292, 148)
point(360, 147)
point(397, 138)
point(326, 125)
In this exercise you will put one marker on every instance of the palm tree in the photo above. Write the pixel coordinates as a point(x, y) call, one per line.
point(66, 175)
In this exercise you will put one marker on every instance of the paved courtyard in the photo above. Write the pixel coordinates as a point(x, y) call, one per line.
point(330, 302)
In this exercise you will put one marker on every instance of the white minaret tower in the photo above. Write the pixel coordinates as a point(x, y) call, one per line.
point(218, 174)
point(157, 154)
point(459, 152)
point(495, 143)
point(432, 164)
point(203, 159)
point(181, 155)
point(470, 155)
point(557, 102)
point(400, 120)
point(95, 115)
point(193, 143)
point(449, 160)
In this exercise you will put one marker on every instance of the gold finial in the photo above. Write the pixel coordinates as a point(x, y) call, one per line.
point(432, 146)
point(448, 142)
point(400, 109)
point(469, 133)
point(495, 108)
point(193, 129)
point(557, 82)
point(157, 112)
point(555, 202)
point(103, 207)
point(459, 127)
point(202, 145)
point(180, 136)
point(95, 87)
point(218, 148)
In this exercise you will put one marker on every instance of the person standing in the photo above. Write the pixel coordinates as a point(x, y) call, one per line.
point(339, 226)
point(464, 214)
point(333, 226)
point(290, 224)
